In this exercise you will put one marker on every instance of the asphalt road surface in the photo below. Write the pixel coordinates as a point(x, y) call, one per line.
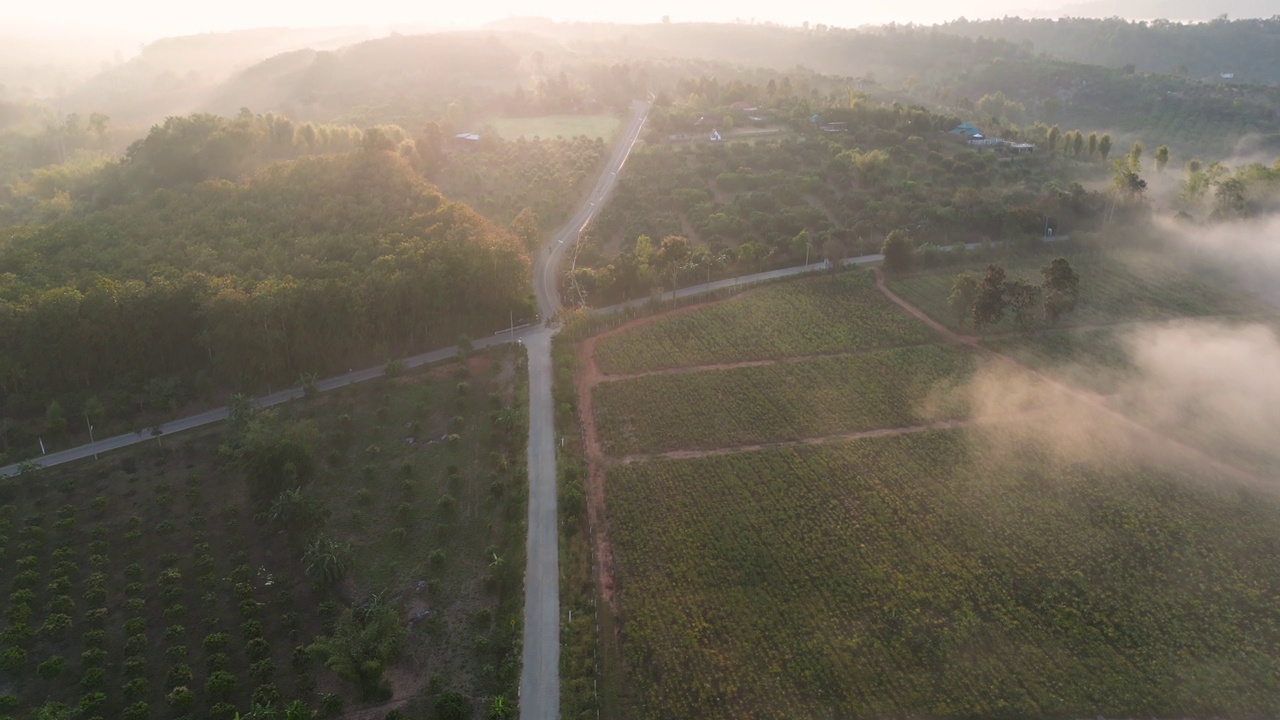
point(540, 663)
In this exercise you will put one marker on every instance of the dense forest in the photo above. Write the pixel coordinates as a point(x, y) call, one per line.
point(163, 279)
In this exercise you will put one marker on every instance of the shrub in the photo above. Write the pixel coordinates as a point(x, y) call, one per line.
point(56, 625)
point(18, 613)
point(135, 626)
point(16, 633)
point(174, 611)
point(95, 595)
point(137, 688)
point(251, 629)
point(61, 604)
point(133, 572)
point(181, 698)
point(217, 661)
point(93, 678)
point(221, 711)
point(134, 589)
point(176, 652)
point(96, 617)
point(135, 644)
point(135, 606)
point(135, 666)
point(220, 684)
point(452, 706)
point(214, 642)
point(331, 704)
point(23, 596)
point(250, 608)
point(137, 711)
point(93, 657)
point(89, 702)
point(364, 496)
point(51, 668)
point(94, 638)
point(266, 694)
point(179, 674)
point(262, 671)
point(257, 648)
point(174, 632)
point(13, 658)
point(399, 534)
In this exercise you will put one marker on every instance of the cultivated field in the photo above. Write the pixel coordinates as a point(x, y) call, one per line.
point(552, 126)
point(791, 525)
point(831, 314)
point(160, 568)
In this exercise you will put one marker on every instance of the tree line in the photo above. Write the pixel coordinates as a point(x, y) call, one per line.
point(982, 302)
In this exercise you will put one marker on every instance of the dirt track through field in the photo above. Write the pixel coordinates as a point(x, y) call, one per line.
point(1181, 450)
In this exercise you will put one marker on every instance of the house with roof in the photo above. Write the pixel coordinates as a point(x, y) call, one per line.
point(967, 131)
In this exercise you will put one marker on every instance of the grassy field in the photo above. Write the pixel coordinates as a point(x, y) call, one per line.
point(602, 126)
point(947, 573)
point(835, 313)
point(922, 576)
point(1114, 287)
point(768, 403)
point(158, 567)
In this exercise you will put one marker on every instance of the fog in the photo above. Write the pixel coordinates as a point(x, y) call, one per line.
point(1192, 392)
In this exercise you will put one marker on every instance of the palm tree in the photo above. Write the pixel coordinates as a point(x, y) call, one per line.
point(327, 561)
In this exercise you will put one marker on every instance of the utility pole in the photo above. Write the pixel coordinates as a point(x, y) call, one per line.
point(91, 440)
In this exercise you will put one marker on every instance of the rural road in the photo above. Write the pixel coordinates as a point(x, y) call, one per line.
point(540, 662)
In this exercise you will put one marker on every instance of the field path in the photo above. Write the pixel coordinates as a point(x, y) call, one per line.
point(614, 377)
point(1180, 451)
point(821, 440)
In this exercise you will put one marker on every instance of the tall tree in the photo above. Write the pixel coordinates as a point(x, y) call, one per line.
point(1023, 299)
point(1061, 287)
point(1093, 143)
point(525, 227)
point(898, 252)
point(1135, 155)
point(1052, 138)
point(963, 292)
point(989, 303)
point(1104, 146)
point(1162, 158)
point(361, 646)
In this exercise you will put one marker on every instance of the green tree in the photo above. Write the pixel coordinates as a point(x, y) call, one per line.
point(220, 684)
point(1023, 300)
point(1135, 155)
point(361, 645)
point(1077, 143)
point(326, 561)
point(898, 251)
point(94, 411)
point(1162, 158)
point(989, 303)
point(525, 227)
point(298, 710)
point(1051, 139)
point(55, 420)
point(1093, 144)
point(671, 256)
point(1104, 146)
point(1061, 288)
point(963, 292)
point(452, 705)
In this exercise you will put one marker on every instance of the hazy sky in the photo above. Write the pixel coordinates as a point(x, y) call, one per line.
point(165, 17)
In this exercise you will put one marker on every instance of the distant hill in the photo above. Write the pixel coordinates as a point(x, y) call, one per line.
point(1246, 50)
point(174, 76)
point(1184, 10)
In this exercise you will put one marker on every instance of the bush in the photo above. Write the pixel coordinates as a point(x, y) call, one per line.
point(56, 625)
point(452, 706)
point(93, 678)
point(12, 659)
point(214, 642)
point(135, 626)
point(174, 632)
point(220, 684)
point(331, 704)
point(137, 711)
point(175, 611)
point(135, 644)
point(51, 668)
point(137, 688)
point(257, 649)
point(217, 661)
point(89, 702)
point(94, 638)
point(251, 629)
point(93, 657)
point(135, 666)
point(262, 671)
point(181, 698)
point(176, 652)
point(135, 606)
point(266, 694)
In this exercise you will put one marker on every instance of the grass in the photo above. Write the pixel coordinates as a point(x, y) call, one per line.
point(836, 313)
point(603, 126)
point(202, 544)
point(924, 576)
point(768, 403)
point(1114, 288)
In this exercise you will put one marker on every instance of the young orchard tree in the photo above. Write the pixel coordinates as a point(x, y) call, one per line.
point(1162, 158)
point(1022, 299)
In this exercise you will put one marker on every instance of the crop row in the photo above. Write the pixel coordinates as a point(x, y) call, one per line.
point(829, 314)
point(925, 575)
point(769, 403)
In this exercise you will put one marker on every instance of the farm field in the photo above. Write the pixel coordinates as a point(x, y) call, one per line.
point(168, 566)
point(842, 312)
point(1114, 287)
point(768, 403)
point(921, 569)
point(922, 575)
point(551, 126)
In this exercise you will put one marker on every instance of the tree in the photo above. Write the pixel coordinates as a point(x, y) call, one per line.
point(298, 710)
point(1162, 158)
point(1193, 166)
point(1023, 300)
point(500, 708)
point(897, 250)
point(963, 292)
point(326, 560)
point(220, 684)
point(989, 303)
point(671, 256)
point(452, 705)
point(525, 227)
point(94, 411)
point(1104, 145)
point(1093, 143)
point(1077, 143)
point(361, 645)
point(55, 420)
point(1052, 138)
point(1061, 287)
point(301, 515)
point(1135, 155)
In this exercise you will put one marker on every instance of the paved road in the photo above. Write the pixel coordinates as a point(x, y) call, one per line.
point(540, 663)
